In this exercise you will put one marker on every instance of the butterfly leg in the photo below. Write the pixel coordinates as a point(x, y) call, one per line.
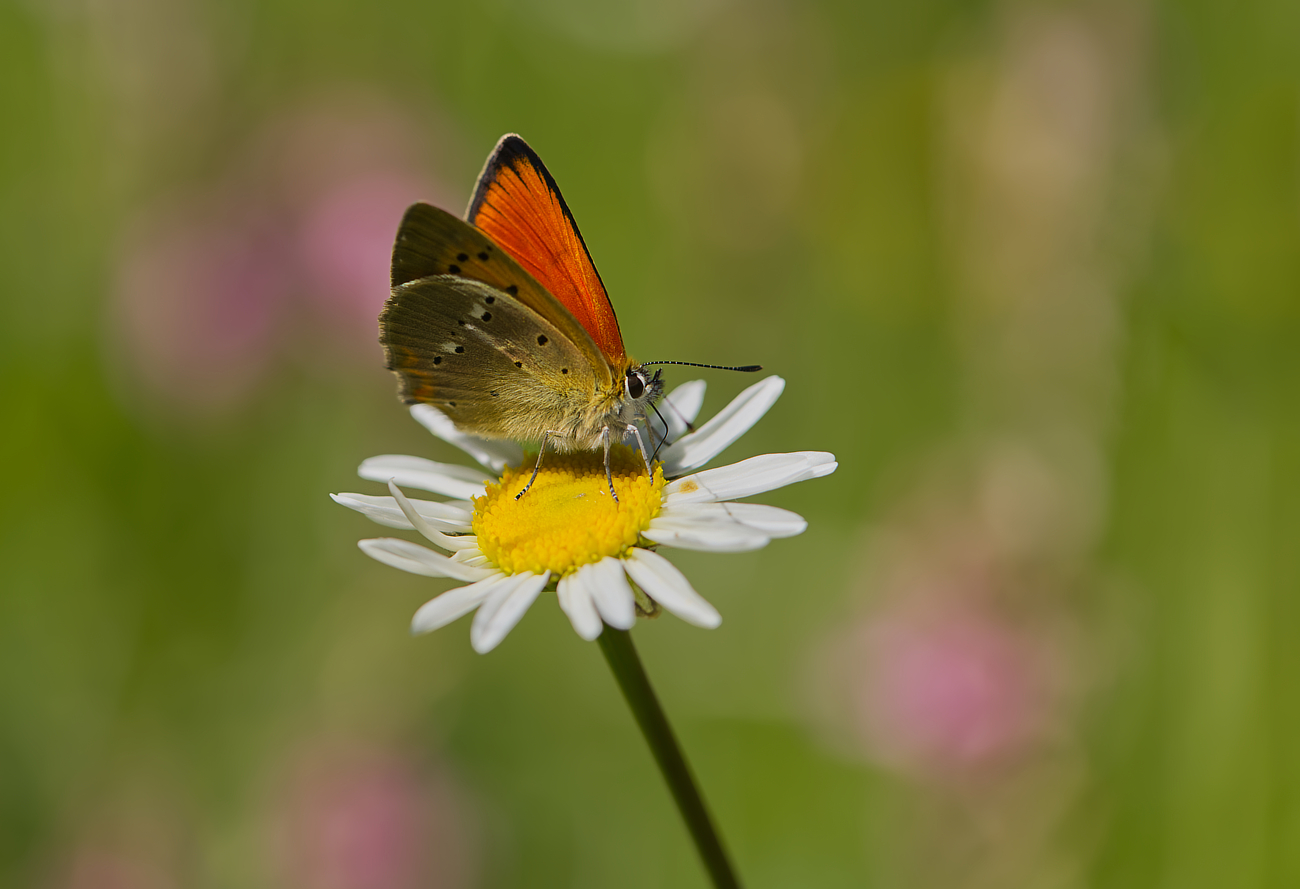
point(609, 475)
point(632, 427)
point(538, 468)
point(652, 429)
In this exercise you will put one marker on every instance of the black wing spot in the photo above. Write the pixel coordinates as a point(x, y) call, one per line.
point(489, 299)
point(453, 270)
point(519, 364)
point(482, 256)
point(495, 393)
point(460, 350)
point(437, 359)
point(542, 340)
point(451, 404)
point(564, 370)
point(486, 316)
point(513, 290)
point(461, 257)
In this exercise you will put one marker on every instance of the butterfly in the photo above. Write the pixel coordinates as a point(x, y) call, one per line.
point(501, 321)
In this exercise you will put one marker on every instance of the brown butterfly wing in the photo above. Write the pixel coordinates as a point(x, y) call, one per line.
point(488, 361)
point(518, 204)
point(431, 241)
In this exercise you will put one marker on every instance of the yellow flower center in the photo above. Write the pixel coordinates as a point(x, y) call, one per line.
point(567, 519)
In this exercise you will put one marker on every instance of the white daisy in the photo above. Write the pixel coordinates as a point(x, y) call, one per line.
point(567, 533)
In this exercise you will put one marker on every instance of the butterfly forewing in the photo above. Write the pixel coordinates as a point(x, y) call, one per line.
point(432, 241)
point(518, 204)
point(489, 362)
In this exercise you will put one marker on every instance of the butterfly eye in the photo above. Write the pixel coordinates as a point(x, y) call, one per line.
point(634, 384)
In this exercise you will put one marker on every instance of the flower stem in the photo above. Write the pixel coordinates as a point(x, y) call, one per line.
point(632, 679)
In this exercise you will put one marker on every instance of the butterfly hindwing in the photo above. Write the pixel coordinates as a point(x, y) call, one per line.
point(518, 205)
point(431, 241)
point(488, 361)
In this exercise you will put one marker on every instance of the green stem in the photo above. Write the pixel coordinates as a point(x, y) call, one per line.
point(626, 666)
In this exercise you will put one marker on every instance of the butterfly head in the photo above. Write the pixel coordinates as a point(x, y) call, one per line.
point(640, 387)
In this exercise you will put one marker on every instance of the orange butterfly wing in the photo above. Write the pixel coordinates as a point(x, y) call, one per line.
point(519, 206)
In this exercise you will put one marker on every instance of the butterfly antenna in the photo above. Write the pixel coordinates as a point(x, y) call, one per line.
point(690, 427)
point(748, 368)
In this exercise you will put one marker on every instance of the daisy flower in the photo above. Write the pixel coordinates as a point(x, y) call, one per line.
point(568, 533)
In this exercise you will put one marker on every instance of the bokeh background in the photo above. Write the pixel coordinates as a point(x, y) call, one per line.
point(1031, 270)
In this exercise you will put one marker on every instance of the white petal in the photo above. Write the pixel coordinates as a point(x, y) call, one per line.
point(686, 399)
point(503, 609)
point(442, 610)
point(471, 557)
point(770, 520)
point(659, 579)
point(462, 482)
point(820, 463)
point(497, 597)
point(718, 535)
point(430, 533)
point(577, 603)
point(445, 516)
point(680, 407)
point(496, 455)
point(753, 476)
point(607, 585)
point(699, 447)
point(416, 559)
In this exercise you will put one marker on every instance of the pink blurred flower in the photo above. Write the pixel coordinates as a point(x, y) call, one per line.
point(345, 243)
point(297, 230)
point(944, 691)
point(370, 819)
point(200, 291)
point(346, 167)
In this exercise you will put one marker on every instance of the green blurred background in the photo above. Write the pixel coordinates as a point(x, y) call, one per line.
point(1030, 270)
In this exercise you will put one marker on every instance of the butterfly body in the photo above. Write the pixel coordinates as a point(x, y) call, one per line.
point(501, 321)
